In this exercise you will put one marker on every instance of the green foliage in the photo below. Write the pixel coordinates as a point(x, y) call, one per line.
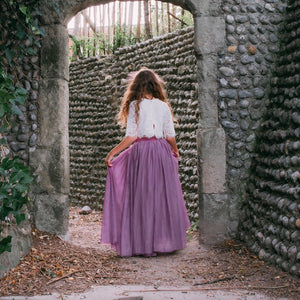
point(15, 178)
point(188, 18)
point(123, 38)
point(91, 46)
point(99, 44)
point(10, 97)
point(194, 226)
point(5, 245)
point(20, 34)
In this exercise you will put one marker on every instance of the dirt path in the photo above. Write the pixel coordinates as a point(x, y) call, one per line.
point(164, 269)
point(230, 264)
point(54, 265)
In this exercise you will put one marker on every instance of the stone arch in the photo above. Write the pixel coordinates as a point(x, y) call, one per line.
point(50, 160)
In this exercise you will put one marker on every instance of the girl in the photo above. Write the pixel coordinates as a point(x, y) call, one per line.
point(144, 211)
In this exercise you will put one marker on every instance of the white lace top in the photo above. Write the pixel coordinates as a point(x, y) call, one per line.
point(155, 119)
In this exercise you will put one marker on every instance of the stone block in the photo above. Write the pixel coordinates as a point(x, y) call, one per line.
point(51, 213)
point(209, 34)
point(208, 91)
point(53, 112)
point(211, 144)
point(55, 52)
point(214, 218)
point(51, 169)
point(208, 7)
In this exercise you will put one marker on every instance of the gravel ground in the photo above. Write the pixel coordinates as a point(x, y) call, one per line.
point(54, 265)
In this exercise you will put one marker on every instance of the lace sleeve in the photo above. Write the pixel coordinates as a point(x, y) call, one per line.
point(131, 128)
point(169, 130)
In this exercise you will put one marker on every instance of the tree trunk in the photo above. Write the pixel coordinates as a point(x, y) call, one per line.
point(138, 29)
point(156, 17)
point(100, 20)
point(130, 16)
point(178, 19)
point(114, 18)
point(150, 17)
point(103, 19)
point(80, 32)
point(162, 18)
point(85, 29)
point(88, 21)
point(174, 11)
point(104, 27)
point(125, 24)
point(89, 31)
point(120, 16)
point(125, 13)
point(76, 35)
point(108, 26)
point(182, 15)
point(76, 25)
point(147, 23)
point(95, 32)
point(168, 14)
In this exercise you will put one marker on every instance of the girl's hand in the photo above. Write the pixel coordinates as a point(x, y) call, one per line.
point(108, 159)
point(172, 142)
point(126, 142)
point(176, 154)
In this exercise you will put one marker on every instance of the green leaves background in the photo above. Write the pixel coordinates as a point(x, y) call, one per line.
point(19, 38)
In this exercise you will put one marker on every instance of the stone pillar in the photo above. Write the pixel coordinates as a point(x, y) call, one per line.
point(213, 217)
point(214, 205)
point(50, 160)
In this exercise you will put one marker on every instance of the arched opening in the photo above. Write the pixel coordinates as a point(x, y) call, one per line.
point(96, 87)
point(51, 193)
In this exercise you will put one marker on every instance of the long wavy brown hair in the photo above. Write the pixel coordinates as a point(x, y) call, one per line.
point(142, 83)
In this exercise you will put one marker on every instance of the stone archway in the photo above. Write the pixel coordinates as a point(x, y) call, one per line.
point(51, 157)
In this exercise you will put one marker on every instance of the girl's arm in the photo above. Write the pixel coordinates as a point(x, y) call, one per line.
point(172, 142)
point(126, 142)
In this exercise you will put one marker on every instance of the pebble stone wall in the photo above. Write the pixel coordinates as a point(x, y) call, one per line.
point(22, 139)
point(245, 66)
point(23, 135)
point(271, 222)
point(96, 88)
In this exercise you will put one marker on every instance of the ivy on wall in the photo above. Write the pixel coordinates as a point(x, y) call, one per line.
point(19, 38)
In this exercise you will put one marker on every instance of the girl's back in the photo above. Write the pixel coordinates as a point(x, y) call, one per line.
point(155, 119)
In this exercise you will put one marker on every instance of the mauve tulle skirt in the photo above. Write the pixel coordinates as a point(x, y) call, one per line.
point(144, 211)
